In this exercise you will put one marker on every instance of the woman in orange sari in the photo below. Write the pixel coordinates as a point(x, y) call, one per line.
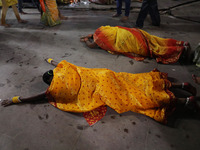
point(85, 90)
point(136, 44)
point(51, 16)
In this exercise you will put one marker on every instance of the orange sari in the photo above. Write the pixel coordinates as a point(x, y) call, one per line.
point(138, 44)
point(79, 89)
point(50, 16)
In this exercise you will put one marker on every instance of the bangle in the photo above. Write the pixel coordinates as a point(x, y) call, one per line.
point(16, 99)
point(187, 101)
point(49, 60)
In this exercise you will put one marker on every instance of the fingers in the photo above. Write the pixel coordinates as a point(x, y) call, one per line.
point(82, 39)
point(6, 103)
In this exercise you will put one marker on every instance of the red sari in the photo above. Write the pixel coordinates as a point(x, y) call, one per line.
point(138, 44)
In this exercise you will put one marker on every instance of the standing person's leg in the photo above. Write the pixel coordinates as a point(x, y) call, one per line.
point(3, 14)
point(127, 7)
point(17, 15)
point(127, 10)
point(119, 8)
point(36, 3)
point(143, 13)
point(20, 4)
point(154, 13)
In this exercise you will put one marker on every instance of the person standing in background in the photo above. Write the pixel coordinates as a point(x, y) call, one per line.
point(119, 10)
point(151, 7)
point(20, 5)
point(5, 5)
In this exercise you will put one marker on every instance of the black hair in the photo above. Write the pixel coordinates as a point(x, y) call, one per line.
point(48, 76)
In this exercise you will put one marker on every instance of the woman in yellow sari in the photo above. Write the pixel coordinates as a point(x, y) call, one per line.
point(5, 5)
point(82, 90)
point(136, 44)
point(51, 16)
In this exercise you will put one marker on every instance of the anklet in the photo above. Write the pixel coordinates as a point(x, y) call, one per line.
point(183, 84)
point(16, 99)
point(187, 101)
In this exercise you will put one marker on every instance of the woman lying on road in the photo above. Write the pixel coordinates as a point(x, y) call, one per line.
point(136, 44)
point(79, 89)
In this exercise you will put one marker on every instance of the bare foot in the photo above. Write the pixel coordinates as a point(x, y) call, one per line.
point(22, 21)
point(5, 25)
point(188, 87)
point(196, 79)
point(63, 17)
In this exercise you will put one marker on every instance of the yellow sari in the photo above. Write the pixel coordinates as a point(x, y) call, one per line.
point(79, 89)
point(131, 41)
point(9, 2)
point(50, 16)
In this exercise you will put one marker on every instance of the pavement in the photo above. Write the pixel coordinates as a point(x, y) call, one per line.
point(40, 126)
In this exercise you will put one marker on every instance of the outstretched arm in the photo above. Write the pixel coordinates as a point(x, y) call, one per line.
point(88, 36)
point(88, 42)
point(18, 99)
point(52, 62)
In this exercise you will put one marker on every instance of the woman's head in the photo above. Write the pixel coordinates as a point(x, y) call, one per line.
point(48, 76)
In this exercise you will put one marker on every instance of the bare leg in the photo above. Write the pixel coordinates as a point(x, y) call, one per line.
point(196, 79)
point(3, 14)
point(38, 97)
point(185, 86)
point(17, 14)
point(52, 62)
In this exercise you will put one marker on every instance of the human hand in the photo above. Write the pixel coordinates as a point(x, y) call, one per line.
point(6, 103)
point(82, 39)
point(86, 39)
